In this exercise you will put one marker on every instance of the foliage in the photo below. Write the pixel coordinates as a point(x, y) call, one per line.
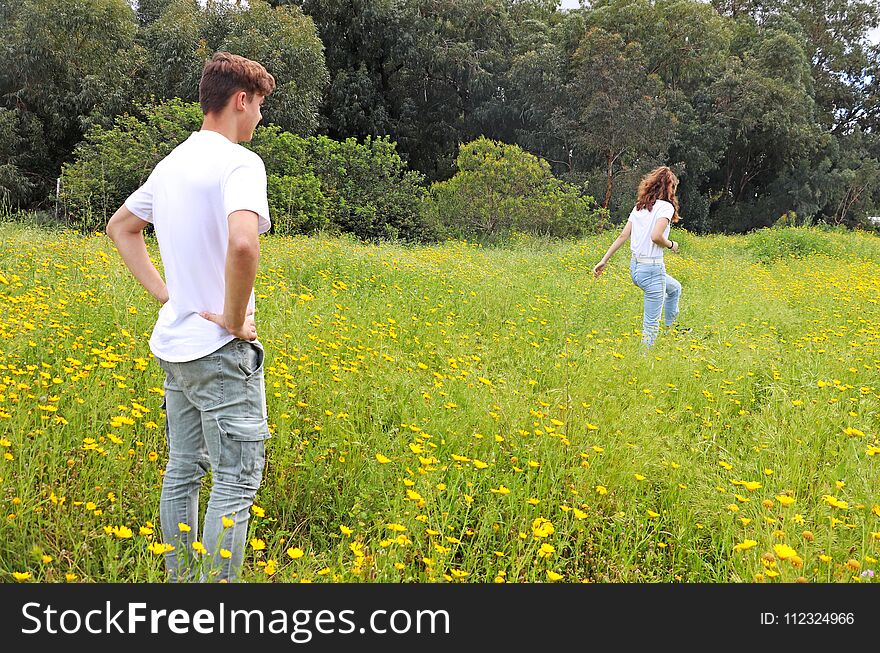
point(67, 63)
point(176, 50)
point(365, 188)
point(313, 182)
point(500, 189)
point(297, 204)
point(430, 74)
point(20, 143)
point(285, 41)
point(373, 194)
point(110, 164)
point(759, 107)
point(620, 115)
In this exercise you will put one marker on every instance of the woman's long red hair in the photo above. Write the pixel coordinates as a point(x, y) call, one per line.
point(659, 184)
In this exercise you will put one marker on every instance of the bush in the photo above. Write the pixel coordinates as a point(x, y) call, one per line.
point(500, 189)
point(314, 182)
point(21, 135)
point(365, 188)
point(792, 219)
point(297, 204)
point(283, 153)
point(372, 193)
point(110, 164)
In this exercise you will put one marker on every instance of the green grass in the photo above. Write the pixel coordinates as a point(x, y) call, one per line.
point(506, 387)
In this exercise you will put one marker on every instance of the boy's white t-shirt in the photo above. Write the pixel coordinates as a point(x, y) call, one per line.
point(188, 199)
point(643, 224)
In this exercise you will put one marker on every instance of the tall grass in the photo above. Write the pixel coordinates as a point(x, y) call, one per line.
point(459, 413)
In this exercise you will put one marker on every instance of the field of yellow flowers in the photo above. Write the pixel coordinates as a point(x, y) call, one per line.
point(463, 414)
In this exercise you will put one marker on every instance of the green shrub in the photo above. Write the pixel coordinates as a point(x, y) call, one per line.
point(314, 182)
point(21, 135)
point(365, 188)
point(297, 204)
point(110, 164)
point(283, 153)
point(500, 189)
point(372, 193)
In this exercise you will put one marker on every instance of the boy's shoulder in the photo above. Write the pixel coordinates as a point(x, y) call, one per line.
point(245, 155)
point(222, 152)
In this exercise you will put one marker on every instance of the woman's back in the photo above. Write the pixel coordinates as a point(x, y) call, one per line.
point(643, 221)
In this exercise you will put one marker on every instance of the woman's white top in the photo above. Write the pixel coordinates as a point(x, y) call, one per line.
point(643, 221)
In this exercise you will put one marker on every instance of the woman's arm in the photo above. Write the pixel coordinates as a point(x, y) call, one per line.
point(659, 239)
point(621, 239)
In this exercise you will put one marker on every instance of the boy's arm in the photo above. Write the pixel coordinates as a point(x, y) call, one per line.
point(126, 230)
point(242, 260)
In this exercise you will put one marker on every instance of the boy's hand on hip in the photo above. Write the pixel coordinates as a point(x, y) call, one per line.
point(247, 331)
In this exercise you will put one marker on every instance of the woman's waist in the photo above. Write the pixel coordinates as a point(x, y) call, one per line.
point(647, 260)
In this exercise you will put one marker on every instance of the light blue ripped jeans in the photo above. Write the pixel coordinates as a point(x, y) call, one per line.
point(662, 293)
point(216, 419)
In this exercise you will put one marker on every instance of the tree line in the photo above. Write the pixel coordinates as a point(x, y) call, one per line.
point(763, 108)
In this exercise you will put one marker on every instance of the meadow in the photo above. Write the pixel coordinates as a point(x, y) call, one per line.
point(458, 413)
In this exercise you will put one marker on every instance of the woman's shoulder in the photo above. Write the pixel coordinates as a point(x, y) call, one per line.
point(663, 209)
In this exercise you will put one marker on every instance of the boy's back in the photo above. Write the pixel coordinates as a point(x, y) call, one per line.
point(188, 198)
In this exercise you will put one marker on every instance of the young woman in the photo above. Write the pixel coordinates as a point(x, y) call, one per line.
point(648, 231)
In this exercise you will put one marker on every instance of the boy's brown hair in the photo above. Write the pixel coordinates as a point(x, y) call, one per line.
point(225, 74)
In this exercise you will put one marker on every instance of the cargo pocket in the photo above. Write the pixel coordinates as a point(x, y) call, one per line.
point(243, 449)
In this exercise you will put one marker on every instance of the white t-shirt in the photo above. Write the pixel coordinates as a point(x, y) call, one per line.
point(643, 224)
point(188, 199)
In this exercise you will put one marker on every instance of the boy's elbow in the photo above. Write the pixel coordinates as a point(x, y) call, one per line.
point(112, 231)
point(114, 228)
point(244, 249)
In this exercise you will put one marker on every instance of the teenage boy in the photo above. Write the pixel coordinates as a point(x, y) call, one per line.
point(207, 203)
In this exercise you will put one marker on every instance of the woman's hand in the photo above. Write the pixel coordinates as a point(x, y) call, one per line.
point(674, 246)
point(600, 268)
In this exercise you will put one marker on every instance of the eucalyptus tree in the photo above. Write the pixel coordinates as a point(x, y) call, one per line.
point(67, 64)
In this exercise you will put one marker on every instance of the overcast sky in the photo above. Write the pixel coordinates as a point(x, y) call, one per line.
point(873, 36)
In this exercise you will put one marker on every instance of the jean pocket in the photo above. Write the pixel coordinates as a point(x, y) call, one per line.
point(639, 277)
point(202, 381)
point(250, 358)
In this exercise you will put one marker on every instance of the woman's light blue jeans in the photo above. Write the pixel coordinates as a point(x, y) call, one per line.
point(216, 419)
point(662, 293)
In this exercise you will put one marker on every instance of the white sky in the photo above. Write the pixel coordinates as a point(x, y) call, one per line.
point(873, 35)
